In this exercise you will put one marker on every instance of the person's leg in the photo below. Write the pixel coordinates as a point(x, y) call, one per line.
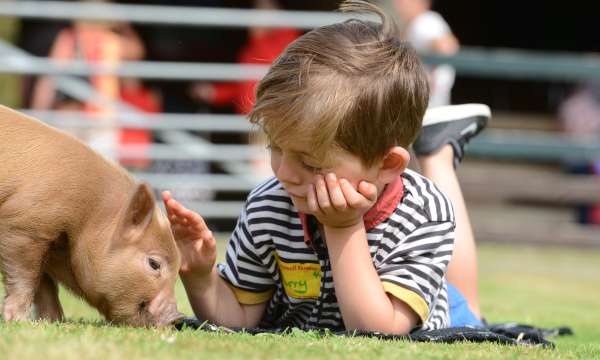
point(462, 271)
point(439, 149)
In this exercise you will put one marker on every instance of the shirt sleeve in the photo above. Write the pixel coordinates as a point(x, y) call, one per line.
point(244, 269)
point(415, 267)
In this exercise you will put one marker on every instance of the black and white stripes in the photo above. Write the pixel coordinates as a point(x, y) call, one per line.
point(268, 260)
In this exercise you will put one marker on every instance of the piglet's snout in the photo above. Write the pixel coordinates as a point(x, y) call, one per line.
point(163, 309)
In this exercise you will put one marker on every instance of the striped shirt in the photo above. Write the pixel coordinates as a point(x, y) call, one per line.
point(268, 258)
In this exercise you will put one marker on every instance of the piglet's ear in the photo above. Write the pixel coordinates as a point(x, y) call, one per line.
point(139, 212)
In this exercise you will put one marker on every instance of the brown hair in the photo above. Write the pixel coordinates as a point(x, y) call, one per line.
point(352, 85)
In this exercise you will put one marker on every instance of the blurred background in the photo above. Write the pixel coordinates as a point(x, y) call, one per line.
point(161, 87)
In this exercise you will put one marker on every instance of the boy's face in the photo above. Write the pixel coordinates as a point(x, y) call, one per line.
point(296, 169)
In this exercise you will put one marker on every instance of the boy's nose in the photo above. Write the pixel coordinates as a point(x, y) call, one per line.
point(287, 172)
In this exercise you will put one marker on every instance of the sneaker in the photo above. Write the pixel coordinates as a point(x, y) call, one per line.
point(452, 124)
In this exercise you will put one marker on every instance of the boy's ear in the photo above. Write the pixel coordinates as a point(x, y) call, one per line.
point(393, 164)
point(139, 213)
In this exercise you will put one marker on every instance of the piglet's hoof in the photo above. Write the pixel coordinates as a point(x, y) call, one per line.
point(15, 313)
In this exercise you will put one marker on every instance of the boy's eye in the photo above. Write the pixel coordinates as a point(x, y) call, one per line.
point(309, 167)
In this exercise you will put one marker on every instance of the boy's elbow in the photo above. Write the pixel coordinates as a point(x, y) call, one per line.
point(400, 325)
point(397, 319)
point(397, 324)
point(405, 319)
point(396, 327)
point(253, 314)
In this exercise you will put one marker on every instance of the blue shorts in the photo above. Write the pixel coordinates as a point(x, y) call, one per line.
point(460, 314)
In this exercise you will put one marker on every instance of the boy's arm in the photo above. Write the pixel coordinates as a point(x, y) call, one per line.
point(362, 299)
point(213, 300)
point(209, 295)
point(397, 296)
point(363, 302)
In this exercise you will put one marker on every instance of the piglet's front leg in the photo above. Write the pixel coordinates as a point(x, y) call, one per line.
point(17, 302)
point(46, 300)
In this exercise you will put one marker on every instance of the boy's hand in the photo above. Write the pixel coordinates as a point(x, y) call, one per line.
point(336, 203)
point(195, 241)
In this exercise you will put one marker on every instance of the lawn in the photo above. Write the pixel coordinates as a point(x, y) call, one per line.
point(542, 286)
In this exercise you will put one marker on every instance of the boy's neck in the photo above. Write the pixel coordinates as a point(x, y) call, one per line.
point(387, 201)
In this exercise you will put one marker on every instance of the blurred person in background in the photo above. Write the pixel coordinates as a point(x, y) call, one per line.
point(36, 36)
point(187, 44)
point(580, 117)
point(428, 32)
point(262, 47)
point(109, 43)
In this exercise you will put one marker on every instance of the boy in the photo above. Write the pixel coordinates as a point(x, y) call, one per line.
point(343, 236)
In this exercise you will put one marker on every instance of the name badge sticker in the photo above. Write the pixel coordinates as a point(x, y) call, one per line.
point(300, 280)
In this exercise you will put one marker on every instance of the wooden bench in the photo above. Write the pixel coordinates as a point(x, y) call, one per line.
point(527, 203)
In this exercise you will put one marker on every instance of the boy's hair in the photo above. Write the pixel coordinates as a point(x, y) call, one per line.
point(352, 85)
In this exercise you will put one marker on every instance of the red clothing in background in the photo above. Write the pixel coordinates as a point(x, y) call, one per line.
point(146, 101)
point(260, 49)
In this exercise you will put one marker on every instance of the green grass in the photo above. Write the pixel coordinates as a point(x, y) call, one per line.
point(10, 84)
point(542, 286)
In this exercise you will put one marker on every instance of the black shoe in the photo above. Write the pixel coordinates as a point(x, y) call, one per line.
point(452, 124)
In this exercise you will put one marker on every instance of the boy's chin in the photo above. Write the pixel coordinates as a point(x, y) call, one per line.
point(300, 204)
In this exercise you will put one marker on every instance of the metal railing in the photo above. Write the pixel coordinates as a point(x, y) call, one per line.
point(504, 63)
point(171, 15)
point(234, 159)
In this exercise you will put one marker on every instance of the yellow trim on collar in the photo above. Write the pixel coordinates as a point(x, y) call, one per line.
point(411, 298)
point(250, 297)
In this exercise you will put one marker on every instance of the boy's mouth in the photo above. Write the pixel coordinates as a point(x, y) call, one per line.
point(294, 192)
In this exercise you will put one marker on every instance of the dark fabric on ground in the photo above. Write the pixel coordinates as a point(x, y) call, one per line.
point(505, 333)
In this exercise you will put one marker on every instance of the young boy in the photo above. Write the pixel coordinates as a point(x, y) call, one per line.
point(343, 237)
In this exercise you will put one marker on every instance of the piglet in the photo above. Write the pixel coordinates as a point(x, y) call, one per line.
point(69, 216)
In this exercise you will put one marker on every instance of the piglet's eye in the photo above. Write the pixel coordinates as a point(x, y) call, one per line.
point(155, 265)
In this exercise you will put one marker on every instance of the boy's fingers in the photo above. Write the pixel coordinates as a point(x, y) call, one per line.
point(353, 198)
point(322, 194)
point(169, 201)
point(368, 190)
point(199, 246)
point(311, 200)
point(170, 204)
point(175, 213)
point(175, 220)
point(177, 209)
point(178, 214)
point(190, 218)
point(209, 242)
point(166, 195)
point(196, 220)
point(335, 192)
